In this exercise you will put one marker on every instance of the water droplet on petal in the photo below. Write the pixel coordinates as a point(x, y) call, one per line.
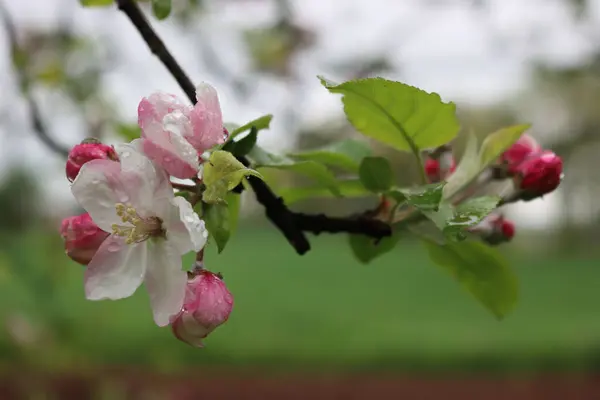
point(113, 247)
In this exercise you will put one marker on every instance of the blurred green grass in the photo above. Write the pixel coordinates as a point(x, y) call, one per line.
point(319, 310)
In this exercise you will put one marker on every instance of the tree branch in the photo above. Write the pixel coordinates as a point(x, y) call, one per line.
point(34, 111)
point(360, 225)
point(290, 224)
point(157, 46)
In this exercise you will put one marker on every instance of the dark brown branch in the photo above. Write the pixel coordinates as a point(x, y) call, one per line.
point(357, 225)
point(292, 225)
point(157, 47)
point(34, 111)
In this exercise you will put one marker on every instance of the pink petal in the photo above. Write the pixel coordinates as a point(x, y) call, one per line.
point(208, 300)
point(172, 153)
point(82, 237)
point(188, 330)
point(207, 120)
point(162, 139)
point(116, 270)
point(165, 281)
point(156, 106)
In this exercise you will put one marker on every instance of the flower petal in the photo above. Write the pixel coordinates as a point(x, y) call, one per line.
point(185, 230)
point(156, 106)
point(154, 191)
point(165, 281)
point(163, 129)
point(188, 330)
point(98, 187)
point(116, 270)
point(172, 152)
point(207, 120)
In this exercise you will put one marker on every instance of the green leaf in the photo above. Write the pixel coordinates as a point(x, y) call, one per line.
point(466, 171)
point(128, 132)
point(259, 123)
point(216, 217)
point(314, 170)
point(498, 142)
point(222, 173)
point(161, 8)
point(346, 154)
point(376, 174)
point(474, 162)
point(425, 198)
point(233, 204)
point(366, 249)
point(348, 188)
point(481, 270)
point(468, 214)
point(95, 3)
point(242, 147)
point(399, 115)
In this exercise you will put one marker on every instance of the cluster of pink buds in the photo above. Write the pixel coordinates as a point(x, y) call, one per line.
point(535, 171)
point(135, 230)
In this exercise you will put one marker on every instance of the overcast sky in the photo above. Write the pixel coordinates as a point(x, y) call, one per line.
point(467, 54)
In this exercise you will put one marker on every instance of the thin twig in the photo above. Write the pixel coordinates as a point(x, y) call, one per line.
point(34, 111)
point(157, 46)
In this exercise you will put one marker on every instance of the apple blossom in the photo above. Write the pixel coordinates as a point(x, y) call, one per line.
point(174, 135)
point(150, 230)
point(82, 237)
point(207, 305)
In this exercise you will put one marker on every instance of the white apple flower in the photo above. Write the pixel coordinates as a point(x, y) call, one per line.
point(151, 229)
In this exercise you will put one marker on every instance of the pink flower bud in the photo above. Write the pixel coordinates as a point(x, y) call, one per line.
point(495, 229)
point(538, 174)
point(207, 305)
point(508, 229)
point(82, 237)
point(518, 152)
point(437, 170)
point(87, 151)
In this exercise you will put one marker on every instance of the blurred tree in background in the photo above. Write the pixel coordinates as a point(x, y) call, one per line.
point(68, 74)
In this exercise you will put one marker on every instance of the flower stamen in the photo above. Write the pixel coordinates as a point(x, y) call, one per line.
point(140, 229)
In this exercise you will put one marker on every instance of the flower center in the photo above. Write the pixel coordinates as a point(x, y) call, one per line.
point(140, 229)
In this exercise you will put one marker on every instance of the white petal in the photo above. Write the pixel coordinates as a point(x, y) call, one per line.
point(98, 188)
point(185, 230)
point(116, 270)
point(153, 189)
point(165, 281)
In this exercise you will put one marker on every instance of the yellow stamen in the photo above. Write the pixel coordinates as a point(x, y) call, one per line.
point(140, 229)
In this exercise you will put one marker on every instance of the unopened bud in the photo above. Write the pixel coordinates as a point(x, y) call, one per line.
point(440, 169)
point(520, 150)
point(82, 237)
point(538, 175)
point(495, 229)
point(88, 150)
point(207, 305)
